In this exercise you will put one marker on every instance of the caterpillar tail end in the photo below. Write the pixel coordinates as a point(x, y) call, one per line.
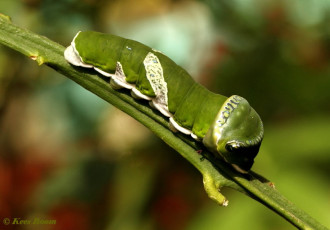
point(70, 54)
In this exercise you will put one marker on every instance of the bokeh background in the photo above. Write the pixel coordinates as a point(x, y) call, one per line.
point(67, 155)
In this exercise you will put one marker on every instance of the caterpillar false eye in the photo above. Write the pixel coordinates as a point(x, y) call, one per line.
point(228, 127)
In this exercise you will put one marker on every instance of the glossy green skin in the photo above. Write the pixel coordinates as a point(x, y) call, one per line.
point(193, 106)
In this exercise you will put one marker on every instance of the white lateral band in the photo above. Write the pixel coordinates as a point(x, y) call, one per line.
point(103, 72)
point(195, 136)
point(70, 54)
point(179, 128)
point(160, 108)
point(138, 95)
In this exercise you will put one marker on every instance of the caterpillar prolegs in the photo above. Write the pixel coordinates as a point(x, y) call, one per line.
point(228, 127)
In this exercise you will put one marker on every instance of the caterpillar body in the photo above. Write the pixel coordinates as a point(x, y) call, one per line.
point(228, 127)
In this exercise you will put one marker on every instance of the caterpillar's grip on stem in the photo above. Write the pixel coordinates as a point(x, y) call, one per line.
point(228, 127)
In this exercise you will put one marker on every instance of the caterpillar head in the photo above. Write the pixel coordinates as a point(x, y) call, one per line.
point(236, 133)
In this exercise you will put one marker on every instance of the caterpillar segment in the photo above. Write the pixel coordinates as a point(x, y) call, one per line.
point(228, 127)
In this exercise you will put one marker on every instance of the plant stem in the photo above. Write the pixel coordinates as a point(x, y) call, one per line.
point(216, 174)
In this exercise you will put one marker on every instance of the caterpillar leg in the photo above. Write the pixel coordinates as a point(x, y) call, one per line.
point(116, 84)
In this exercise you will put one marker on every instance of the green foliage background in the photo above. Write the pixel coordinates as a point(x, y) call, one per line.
point(67, 155)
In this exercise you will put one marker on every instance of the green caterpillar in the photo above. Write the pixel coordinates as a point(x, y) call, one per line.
point(228, 127)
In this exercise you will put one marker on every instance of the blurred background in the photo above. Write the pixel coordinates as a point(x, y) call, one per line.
point(69, 156)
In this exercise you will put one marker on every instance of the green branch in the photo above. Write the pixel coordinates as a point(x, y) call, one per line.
point(215, 175)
